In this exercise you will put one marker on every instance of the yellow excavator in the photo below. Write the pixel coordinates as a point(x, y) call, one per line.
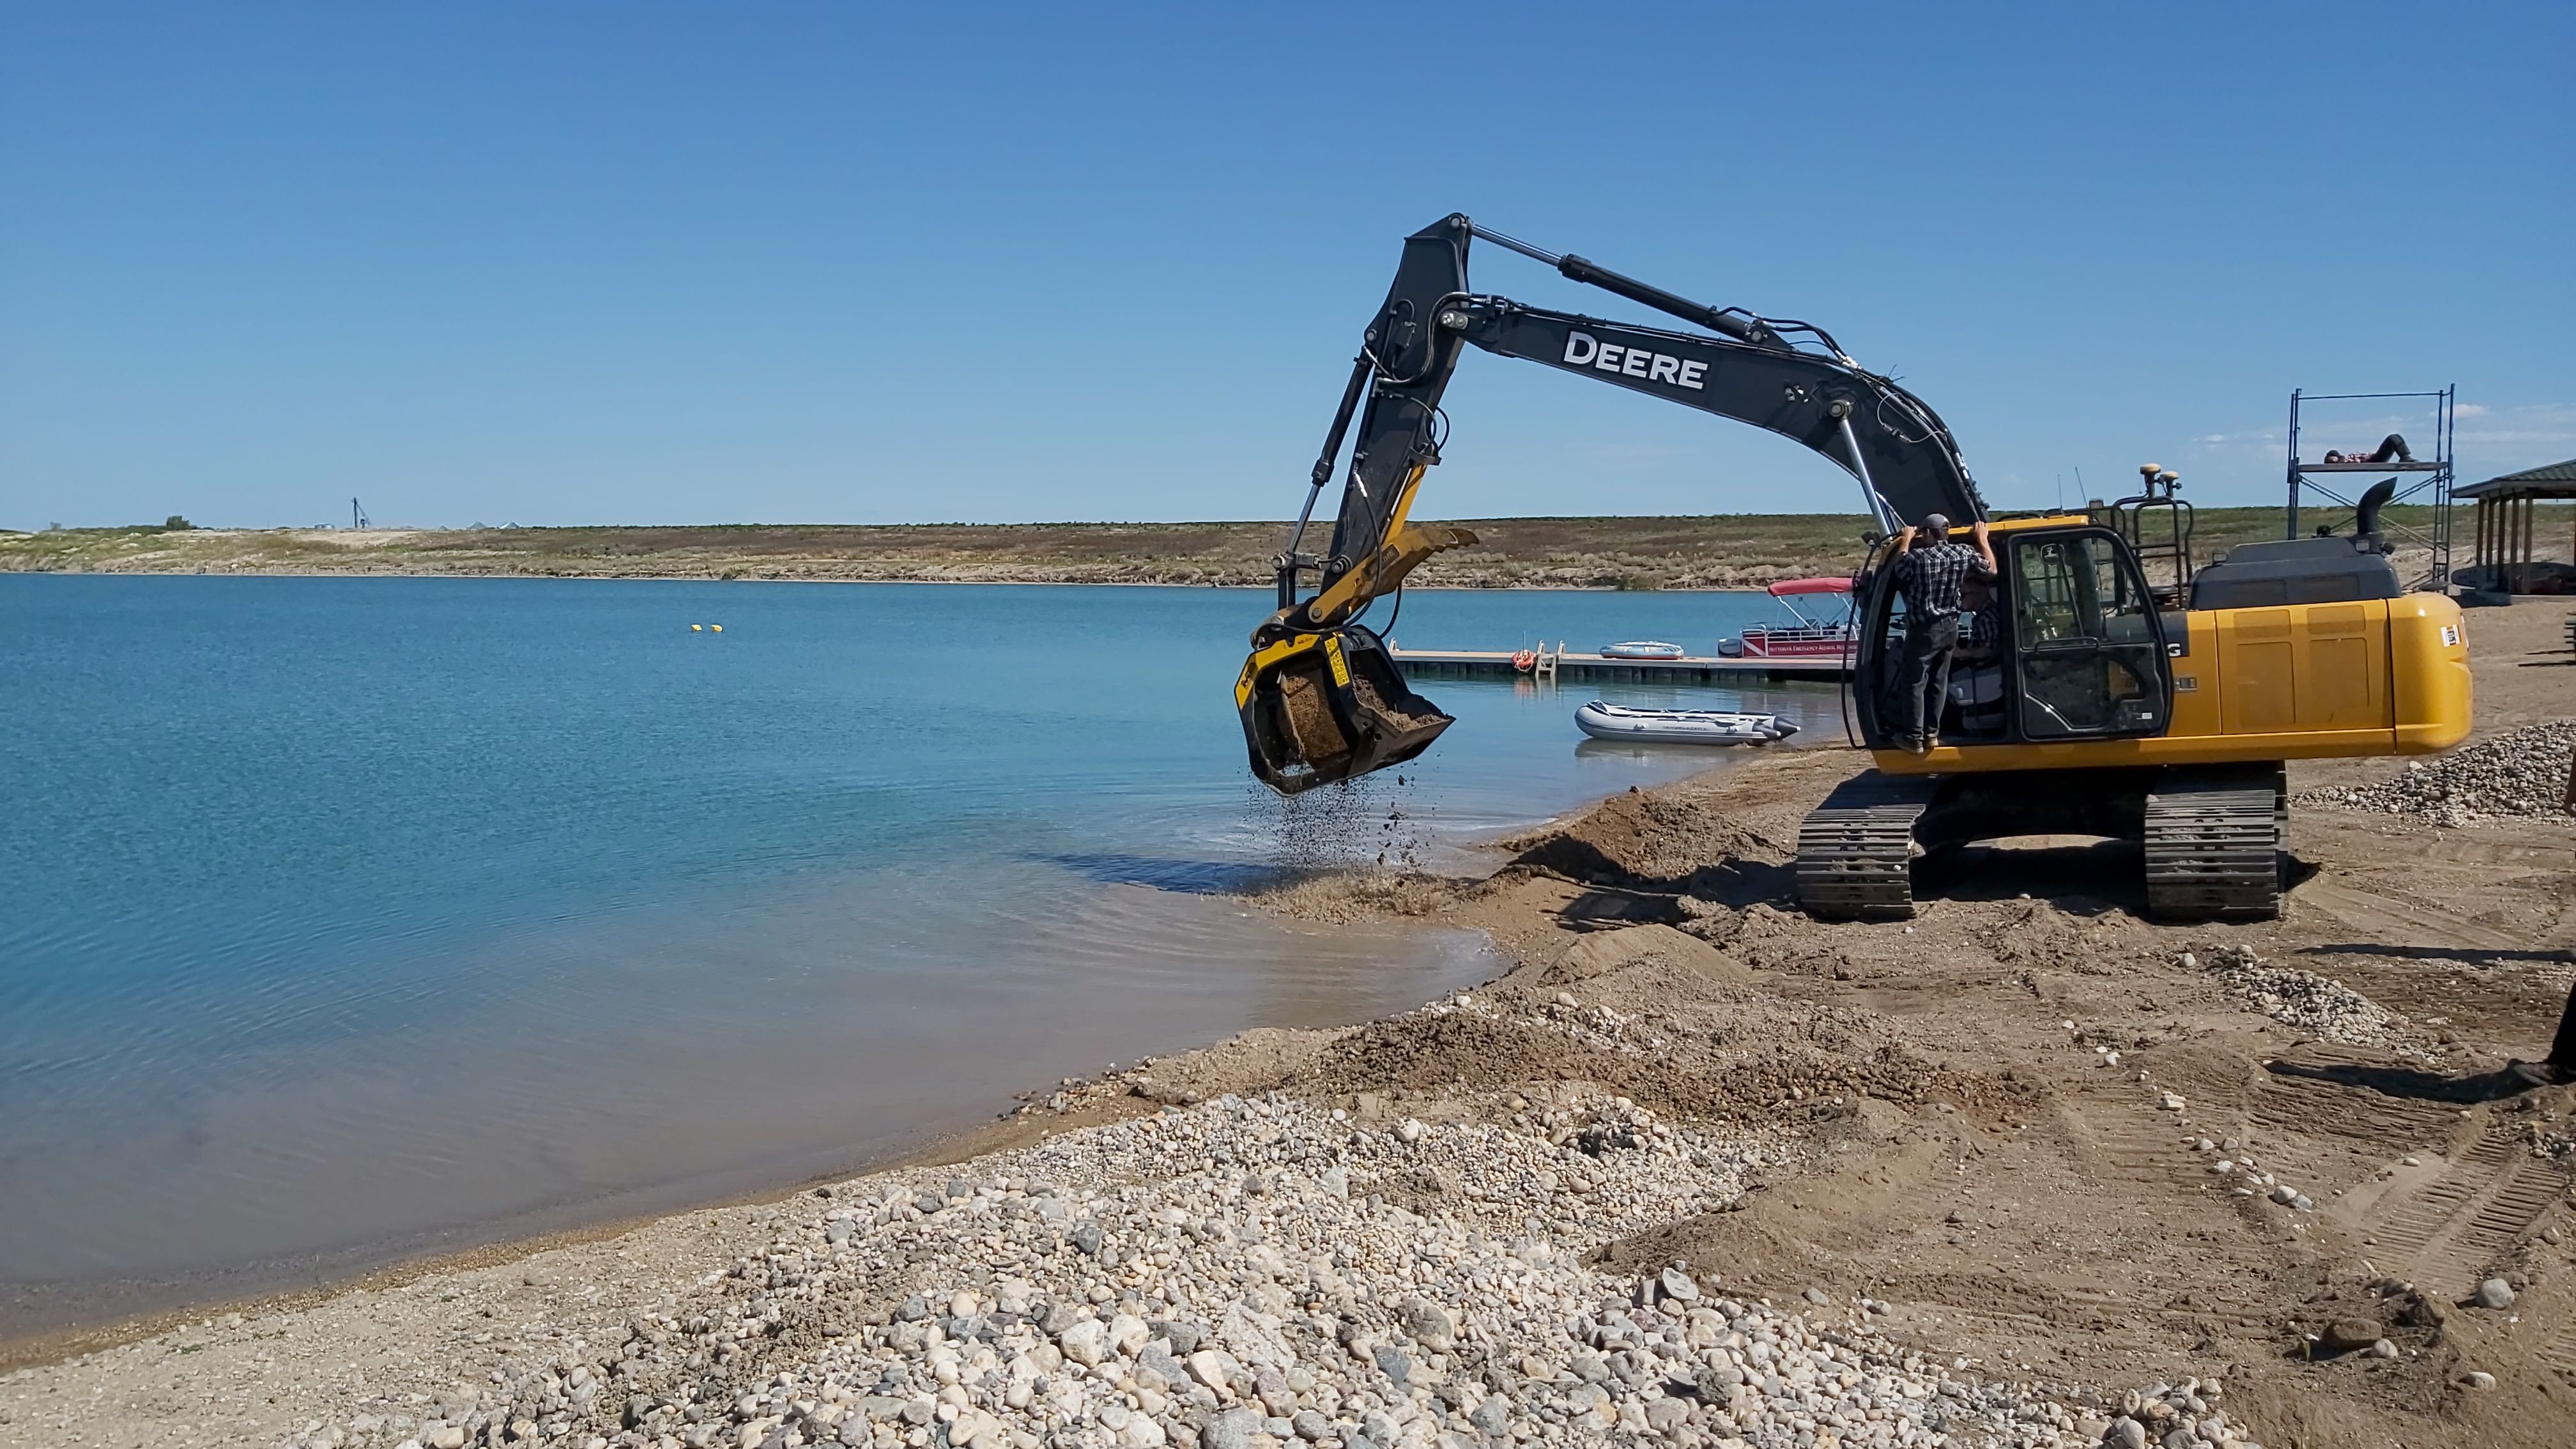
point(2160, 712)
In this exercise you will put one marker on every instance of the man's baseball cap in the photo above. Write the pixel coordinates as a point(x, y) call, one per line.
point(1936, 523)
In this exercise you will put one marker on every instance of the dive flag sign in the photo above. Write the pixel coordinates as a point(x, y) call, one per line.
point(1582, 349)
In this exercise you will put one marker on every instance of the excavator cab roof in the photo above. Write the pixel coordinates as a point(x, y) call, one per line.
point(2044, 520)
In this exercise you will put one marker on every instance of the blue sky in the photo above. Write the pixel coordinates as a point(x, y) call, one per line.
point(576, 262)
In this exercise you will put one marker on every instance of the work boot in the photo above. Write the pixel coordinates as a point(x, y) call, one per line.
point(2559, 1067)
point(2539, 1074)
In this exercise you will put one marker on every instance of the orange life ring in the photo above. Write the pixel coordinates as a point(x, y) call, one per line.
point(1525, 661)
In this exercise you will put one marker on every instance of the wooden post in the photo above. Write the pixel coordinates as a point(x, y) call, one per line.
point(2494, 537)
point(2512, 547)
point(2522, 548)
point(2512, 551)
point(2507, 554)
point(2530, 538)
point(2494, 545)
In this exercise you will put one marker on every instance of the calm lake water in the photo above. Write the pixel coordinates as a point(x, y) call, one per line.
point(354, 918)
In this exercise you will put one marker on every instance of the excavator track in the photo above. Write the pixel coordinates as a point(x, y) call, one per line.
point(1854, 850)
point(2213, 844)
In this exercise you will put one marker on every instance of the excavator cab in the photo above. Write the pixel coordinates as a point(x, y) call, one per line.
point(2069, 645)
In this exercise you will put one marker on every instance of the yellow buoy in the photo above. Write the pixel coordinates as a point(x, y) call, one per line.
point(719, 628)
point(697, 628)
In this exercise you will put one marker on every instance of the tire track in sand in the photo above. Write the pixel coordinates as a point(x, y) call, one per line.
point(2445, 1226)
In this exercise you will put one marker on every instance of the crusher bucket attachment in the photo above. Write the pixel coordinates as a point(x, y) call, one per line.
point(1327, 706)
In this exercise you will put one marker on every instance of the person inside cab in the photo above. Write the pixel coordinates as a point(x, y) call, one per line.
point(1978, 665)
point(1981, 621)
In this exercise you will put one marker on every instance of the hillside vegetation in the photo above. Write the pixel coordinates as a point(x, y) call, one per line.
point(1719, 551)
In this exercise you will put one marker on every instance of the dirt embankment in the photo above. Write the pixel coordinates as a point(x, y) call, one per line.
point(2056, 1135)
point(2073, 1153)
point(1725, 551)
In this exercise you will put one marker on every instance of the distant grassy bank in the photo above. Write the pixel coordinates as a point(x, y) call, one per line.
point(1718, 551)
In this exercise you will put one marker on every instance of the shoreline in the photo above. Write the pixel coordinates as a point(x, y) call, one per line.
point(52, 1346)
point(365, 1268)
point(48, 1312)
point(1611, 553)
point(1065, 583)
point(940, 1148)
point(1978, 1154)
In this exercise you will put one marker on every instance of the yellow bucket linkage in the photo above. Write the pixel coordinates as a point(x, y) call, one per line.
point(1325, 702)
point(1327, 706)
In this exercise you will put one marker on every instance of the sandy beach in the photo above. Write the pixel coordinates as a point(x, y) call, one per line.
point(2027, 1170)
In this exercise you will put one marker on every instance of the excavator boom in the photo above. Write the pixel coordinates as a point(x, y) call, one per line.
point(1320, 698)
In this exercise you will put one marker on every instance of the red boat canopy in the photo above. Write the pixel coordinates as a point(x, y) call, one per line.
point(1810, 586)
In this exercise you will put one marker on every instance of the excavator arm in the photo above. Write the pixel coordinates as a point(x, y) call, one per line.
point(1320, 698)
point(1884, 436)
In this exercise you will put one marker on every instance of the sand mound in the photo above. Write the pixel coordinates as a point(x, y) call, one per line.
point(1342, 898)
point(1650, 842)
point(1654, 1015)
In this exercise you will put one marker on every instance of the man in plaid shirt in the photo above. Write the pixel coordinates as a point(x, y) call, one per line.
point(1931, 571)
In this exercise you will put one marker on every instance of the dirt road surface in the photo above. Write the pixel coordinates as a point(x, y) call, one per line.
point(1997, 1082)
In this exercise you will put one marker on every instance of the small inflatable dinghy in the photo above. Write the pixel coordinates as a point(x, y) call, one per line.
point(1680, 726)
point(1642, 649)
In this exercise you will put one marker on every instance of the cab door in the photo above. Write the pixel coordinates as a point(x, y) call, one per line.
point(2088, 646)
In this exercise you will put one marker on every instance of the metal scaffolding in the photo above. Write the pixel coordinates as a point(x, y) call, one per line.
point(2430, 488)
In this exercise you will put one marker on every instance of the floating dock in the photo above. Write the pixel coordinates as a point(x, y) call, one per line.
point(1562, 664)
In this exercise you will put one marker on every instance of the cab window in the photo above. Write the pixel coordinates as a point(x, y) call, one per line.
point(2089, 646)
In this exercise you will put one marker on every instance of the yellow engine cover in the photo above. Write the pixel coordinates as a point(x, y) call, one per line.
point(2301, 682)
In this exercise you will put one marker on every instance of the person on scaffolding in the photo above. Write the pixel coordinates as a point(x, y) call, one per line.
point(2391, 449)
point(1932, 573)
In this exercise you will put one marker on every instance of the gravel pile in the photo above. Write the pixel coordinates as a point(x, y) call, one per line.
point(2304, 999)
point(2522, 773)
point(1257, 1274)
point(2173, 1414)
point(1597, 1026)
